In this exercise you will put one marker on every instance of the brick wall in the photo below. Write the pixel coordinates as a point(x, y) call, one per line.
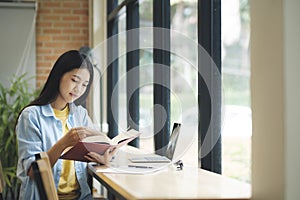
point(60, 26)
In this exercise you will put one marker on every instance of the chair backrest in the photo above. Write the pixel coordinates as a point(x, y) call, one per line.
point(2, 182)
point(43, 177)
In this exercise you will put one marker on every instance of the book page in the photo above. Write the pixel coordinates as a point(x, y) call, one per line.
point(100, 138)
point(125, 135)
point(103, 138)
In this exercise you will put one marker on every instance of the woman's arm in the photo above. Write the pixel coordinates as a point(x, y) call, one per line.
point(70, 139)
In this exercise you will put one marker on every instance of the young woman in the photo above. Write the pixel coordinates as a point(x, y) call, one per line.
point(54, 121)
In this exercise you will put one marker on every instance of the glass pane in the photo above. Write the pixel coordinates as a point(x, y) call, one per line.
point(146, 13)
point(122, 123)
point(236, 126)
point(120, 1)
point(146, 75)
point(184, 73)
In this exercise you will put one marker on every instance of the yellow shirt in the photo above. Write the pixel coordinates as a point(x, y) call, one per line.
point(68, 186)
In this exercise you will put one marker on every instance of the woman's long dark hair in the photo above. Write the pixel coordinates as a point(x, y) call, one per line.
point(66, 62)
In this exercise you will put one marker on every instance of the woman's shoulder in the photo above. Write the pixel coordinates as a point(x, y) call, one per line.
point(36, 110)
point(31, 109)
point(29, 112)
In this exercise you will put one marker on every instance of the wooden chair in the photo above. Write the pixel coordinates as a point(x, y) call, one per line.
point(2, 182)
point(43, 177)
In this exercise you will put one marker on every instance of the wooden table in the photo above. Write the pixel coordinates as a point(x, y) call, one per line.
point(169, 183)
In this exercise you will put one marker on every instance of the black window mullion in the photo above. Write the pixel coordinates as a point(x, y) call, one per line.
point(112, 71)
point(209, 37)
point(161, 57)
point(132, 62)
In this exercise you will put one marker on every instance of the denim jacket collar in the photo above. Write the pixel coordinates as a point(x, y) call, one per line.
point(47, 110)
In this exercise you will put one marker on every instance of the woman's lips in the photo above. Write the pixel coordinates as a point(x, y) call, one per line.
point(74, 96)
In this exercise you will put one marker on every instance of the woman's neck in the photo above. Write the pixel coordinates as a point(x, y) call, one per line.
point(58, 106)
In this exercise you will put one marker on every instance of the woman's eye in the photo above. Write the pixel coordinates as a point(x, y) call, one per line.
point(84, 85)
point(74, 80)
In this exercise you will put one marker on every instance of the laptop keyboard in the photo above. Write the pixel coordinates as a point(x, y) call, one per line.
point(156, 158)
point(149, 159)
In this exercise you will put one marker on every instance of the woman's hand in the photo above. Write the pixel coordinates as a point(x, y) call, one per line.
point(102, 159)
point(75, 135)
point(72, 137)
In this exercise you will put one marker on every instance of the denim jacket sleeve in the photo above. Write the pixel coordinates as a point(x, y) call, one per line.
point(38, 130)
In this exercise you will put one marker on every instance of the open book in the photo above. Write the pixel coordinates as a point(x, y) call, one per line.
point(98, 143)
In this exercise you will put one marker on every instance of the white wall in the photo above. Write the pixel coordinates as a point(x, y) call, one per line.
point(292, 97)
point(275, 91)
point(17, 40)
point(267, 91)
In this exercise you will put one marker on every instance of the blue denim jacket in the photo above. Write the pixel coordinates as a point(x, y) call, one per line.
point(38, 130)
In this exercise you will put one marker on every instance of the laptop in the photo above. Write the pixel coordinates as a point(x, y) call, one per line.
point(154, 158)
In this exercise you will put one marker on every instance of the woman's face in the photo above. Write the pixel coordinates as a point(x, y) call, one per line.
point(72, 85)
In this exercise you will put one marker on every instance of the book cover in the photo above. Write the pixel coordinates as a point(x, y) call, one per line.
point(99, 144)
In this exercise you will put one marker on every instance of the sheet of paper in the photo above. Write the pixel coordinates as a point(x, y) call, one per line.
point(126, 169)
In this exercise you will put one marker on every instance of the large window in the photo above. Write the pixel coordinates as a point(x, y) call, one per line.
point(166, 43)
point(158, 65)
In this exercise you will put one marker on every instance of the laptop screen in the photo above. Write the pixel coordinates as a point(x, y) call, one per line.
point(173, 140)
